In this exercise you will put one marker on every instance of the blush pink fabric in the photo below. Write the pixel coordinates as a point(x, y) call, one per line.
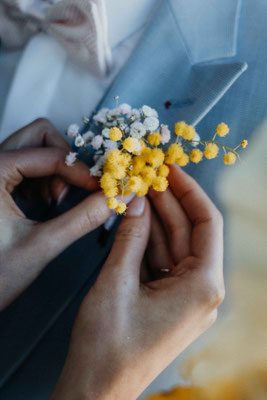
point(79, 25)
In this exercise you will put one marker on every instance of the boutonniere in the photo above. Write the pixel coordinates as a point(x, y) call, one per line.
point(131, 152)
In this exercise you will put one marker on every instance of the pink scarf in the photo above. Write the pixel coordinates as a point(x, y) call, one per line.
point(79, 25)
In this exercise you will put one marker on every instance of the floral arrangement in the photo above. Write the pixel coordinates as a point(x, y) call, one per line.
point(127, 148)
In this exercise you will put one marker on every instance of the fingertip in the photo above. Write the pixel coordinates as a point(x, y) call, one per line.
point(136, 207)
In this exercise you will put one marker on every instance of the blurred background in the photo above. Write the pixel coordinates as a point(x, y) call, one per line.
point(230, 360)
point(38, 78)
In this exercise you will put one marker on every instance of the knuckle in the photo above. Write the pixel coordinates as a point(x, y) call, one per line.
point(211, 318)
point(94, 217)
point(130, 231)
point(213, 296)
point(42, 121)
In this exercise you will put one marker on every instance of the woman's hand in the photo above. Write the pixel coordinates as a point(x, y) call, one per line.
point(40, 133)
point(127, 331)
point(27, 246)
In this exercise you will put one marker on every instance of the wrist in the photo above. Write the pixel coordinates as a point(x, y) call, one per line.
point(98, 382)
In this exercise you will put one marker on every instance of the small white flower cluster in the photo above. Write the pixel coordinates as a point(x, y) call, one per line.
point(132, 122)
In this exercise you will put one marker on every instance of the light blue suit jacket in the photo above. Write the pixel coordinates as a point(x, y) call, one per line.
point(191, 54)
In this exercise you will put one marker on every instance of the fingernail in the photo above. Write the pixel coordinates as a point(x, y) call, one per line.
point(136, 207)
point(126, 199)
point(62, 195)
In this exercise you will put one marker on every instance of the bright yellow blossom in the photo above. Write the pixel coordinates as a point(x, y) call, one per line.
point(135, 183)
point(160, 184)
point(148, 174)
point(111, 191)
point(115, 134)
point(142, 144)
point(183, 160)
point(116, 171)
point(154, 139)
point(143, 190)
point(112, 203)
point(107, 180)
point(163, 171)
point(129, 144)
point(179, 128)
point(196, 156)
point(244, 143)
point(125, 160)
point(229, 158)
point(174, 152)
point(156, 158)
point(189, 132)
point(222, 129)
point(211, 150)
point(138, 165)
point(121, 208)
point(113, 156)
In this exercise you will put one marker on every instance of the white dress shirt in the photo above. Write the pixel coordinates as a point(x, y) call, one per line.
point(43, 80)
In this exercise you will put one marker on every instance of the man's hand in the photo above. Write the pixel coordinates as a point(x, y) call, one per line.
point(26, 246)
point(129, 329)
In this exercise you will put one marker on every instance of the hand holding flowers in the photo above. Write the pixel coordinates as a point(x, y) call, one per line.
point(129, 155)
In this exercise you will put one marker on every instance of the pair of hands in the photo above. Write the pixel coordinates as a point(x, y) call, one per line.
point(158, 290)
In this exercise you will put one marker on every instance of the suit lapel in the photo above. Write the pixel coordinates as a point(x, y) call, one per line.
point(166, 66)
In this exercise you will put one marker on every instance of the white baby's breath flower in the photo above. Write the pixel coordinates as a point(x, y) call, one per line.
point(124, 109)
point(151, 124)
point(134, 115)
point(196, 137)
point(137, 130)
point(97, 142)
point(101, 116)
point(105, 132)
point(110, 145)
point(137, 146)
point(87, 136)
point(149, 112)
point(73, 130)
point(112, 114)
point(70, 158)
point(79, 142)
point(165, 134)
point(111, 123)
point(96, 170)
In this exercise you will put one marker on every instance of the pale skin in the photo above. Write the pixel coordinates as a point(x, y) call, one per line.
point(157, 292)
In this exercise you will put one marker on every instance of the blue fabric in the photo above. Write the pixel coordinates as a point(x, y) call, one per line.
point(191, 54)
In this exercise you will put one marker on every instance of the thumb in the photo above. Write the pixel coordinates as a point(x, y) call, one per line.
point(130, 241)
point(60, 232)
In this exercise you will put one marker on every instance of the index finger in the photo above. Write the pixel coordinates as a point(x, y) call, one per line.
point(207, 233)
point(42, 162)
point(39, 133)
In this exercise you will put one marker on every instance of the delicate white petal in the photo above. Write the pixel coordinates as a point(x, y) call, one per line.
point(79, 142)
point(151, 124)
point(137, 146)
point(70, 158)
point(87, 136)
point(73, 130)
point(137, 130)
point(101, 116)
point(124, 108)
point(134, 115)
point(165, 134)
point(149, 112)
point(105, 132)
point(112, 114)
point(97, 142)
point(110, 145)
